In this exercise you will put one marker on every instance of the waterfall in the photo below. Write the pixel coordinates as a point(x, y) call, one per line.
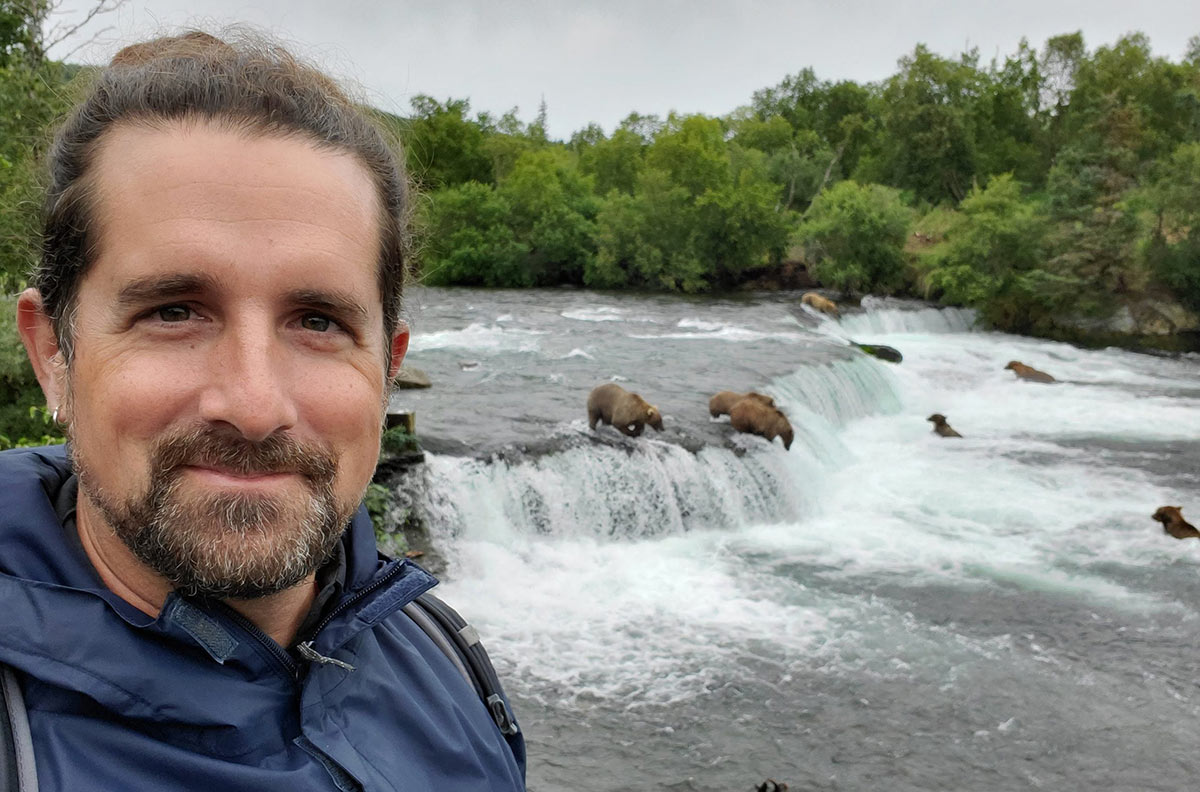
point(839, 391)
point(885, 316)
point(645, 488)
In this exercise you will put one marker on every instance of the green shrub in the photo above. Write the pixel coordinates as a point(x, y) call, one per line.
point(854, 235)
point(397, 441)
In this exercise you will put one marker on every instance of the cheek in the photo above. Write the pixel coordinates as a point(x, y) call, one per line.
point(128, 397)
point(347, 415)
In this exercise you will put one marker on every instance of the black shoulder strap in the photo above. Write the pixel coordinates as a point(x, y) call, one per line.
point(17, 770)
point(460, 642)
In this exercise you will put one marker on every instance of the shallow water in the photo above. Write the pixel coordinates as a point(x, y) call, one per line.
point(879, 608)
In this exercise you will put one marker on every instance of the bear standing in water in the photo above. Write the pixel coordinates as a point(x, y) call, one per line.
point(822, 304)
point(754, 417)
point(721, 403)
point(627, 412)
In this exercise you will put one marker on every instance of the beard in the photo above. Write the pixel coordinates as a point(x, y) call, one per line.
point(226, 545)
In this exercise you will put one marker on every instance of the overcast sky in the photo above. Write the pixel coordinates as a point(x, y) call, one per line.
point(596, 61)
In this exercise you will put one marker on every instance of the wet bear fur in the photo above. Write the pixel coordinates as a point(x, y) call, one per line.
point(1029, 372)
point(941, 427)
point(822, 304)
point(627, 412)
point(753, 417)
point(1173, 523)
point(721, 403)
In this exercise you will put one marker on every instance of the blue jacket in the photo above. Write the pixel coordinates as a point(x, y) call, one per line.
point(198, 699)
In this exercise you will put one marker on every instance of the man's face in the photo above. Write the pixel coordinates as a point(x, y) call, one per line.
point(228, 380)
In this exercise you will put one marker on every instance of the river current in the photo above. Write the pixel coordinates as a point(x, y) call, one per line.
point(878, 608)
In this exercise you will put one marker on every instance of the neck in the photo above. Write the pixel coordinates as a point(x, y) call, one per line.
point(279, 615)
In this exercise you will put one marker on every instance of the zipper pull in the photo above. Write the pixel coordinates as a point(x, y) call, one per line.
point(313, 656)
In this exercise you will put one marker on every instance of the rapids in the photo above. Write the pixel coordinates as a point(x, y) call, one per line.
point(879, 608)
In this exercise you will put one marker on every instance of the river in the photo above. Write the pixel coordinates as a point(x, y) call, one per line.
point(878, 608)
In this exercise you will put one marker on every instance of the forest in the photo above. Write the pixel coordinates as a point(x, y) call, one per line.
point(1048, 189)
point(1055, 190)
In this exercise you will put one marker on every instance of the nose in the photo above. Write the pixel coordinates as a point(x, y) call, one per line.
point(249, 383)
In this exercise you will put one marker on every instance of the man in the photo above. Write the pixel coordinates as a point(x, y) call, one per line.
point(215, 323)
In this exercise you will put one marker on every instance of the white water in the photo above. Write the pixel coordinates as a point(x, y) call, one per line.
point(646, 578)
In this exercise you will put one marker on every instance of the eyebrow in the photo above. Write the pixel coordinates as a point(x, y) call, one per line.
point(158, 287)
point(335, 302)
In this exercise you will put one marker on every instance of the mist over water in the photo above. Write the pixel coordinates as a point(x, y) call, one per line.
point(877, 608)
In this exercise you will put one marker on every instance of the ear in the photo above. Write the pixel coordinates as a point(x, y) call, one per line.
point(41, 344)
point(399, 348)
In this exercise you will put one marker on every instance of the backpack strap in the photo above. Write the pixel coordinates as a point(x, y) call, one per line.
point(18, 772)
point(460, 642)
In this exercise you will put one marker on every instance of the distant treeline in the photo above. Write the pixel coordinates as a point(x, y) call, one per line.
point(1053, 183)
point(1048, 188)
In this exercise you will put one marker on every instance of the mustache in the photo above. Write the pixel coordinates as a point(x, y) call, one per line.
point(225, 449)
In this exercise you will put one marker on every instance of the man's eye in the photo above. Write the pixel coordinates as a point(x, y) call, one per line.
point(316, 323)
point(174, 313)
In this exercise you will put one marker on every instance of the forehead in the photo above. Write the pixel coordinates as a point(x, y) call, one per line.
point(195, 193)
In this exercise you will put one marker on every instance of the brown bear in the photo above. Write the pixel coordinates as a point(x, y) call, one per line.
point(1173, 523)
point(822, 304)
point(721, 403)
point(941, 427)
point(626, 412)
point(754, 417)
point(1029, 372)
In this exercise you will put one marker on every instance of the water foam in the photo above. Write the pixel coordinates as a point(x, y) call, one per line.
point(478, 336)
point(884, 317)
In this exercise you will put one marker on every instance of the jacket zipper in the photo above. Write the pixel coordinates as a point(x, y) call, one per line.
point(278, 652)
point(358, 595)
point(290, 666)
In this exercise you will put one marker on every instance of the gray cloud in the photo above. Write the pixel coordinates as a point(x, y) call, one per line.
point(598, 61)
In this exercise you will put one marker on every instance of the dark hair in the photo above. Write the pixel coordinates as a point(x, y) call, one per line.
point(251, 85)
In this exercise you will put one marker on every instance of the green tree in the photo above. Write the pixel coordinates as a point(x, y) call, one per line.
point(443, 146)
point(613, 163)
point(1172, 251)
point(1094, 231)
point(31, 96)
point(798, 161)
point(846, 126)
point(649, 240)
point(928, 142)
point(469, 241)
point(994, 260)
point(691, 150)
point(508, 138)
point(703, 213)
point(1155, 97)
point(1008, 136)
point(742, 222)
point(854, 235)
point(552, 212)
